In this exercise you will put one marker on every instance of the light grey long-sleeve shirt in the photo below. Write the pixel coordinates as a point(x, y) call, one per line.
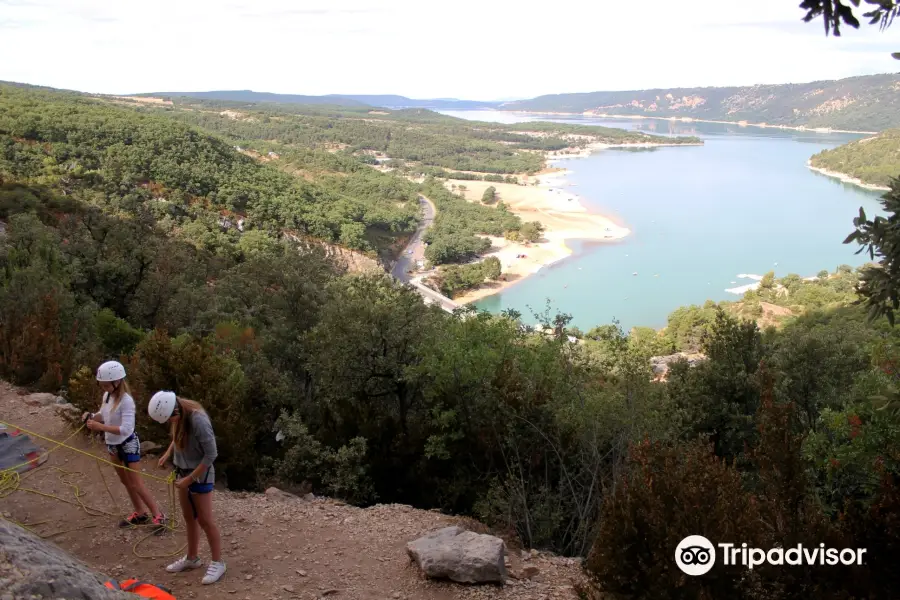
point(200, 447)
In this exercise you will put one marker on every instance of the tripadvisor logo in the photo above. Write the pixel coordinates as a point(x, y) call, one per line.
point(696, 555)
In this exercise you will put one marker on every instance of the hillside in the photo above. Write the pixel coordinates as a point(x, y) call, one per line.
point(874, 161)
point(865, 103)
point(371, 100)
point(409, 137)
point(187, 180)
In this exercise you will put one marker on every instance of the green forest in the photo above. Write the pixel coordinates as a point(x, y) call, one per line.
point(185, 180)
point(455, 278)
point(874, 160)
point(113, 244)
point(416, 138)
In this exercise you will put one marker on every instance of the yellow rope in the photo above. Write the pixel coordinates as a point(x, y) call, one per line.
point(10, 482)
point(63, 444)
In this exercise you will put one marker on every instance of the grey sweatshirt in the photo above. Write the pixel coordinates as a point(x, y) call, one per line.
point(199, 449)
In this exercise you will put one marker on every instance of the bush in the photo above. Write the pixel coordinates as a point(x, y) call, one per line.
point(877, 528)
point(340, 473)
point(38, 326)
point(669, 493)
point(116, 335)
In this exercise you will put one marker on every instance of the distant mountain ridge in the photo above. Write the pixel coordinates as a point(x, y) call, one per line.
point(863, 103)
point(867, 103)
point(357, 100)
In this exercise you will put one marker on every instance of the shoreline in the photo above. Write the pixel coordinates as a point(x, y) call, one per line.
point(848, 178)
point(693, 120)
point(597, 146)
point(560, 211)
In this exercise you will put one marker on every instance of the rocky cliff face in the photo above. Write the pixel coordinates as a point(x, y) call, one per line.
point(36, 569)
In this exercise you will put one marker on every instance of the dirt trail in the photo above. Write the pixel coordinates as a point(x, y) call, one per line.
point(274, 547)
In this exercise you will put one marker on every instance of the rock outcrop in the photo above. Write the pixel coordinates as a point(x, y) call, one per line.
point(43, 399)
point(460, 555)
point(660, 364)
point(33, 568)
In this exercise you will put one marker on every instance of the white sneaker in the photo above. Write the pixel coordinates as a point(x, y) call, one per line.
point(183, 564)
point(214, 572)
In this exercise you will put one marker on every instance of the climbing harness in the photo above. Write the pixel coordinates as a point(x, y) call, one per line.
point(195, 488)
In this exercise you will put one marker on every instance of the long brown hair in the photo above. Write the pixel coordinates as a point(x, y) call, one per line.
point(181, 428)
point(119, 391)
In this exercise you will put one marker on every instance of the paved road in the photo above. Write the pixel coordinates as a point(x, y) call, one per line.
point(414, 252)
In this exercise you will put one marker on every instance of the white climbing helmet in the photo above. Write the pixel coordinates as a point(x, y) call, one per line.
point(161, 407)
point(110, 371)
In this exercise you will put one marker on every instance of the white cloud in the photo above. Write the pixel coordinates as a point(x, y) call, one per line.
point(471, 49)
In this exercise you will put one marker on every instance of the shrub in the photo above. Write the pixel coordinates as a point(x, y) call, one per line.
point(877, 528)
point(36, 346)
point(671, 491)
point(116, 335)
point(341, 473)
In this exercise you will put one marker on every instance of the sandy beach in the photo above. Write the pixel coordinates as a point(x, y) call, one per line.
point(557, 208)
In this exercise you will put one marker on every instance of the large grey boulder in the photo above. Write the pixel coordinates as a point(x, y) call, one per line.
point(459, 555)
point(33, 568)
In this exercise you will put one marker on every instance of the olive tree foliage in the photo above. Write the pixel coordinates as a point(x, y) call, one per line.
point(879, 285)
point(835, 13)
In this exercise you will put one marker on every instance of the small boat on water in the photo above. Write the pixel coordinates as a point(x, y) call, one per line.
point(635, 273)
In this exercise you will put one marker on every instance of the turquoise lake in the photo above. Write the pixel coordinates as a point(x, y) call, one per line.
point(743, 203)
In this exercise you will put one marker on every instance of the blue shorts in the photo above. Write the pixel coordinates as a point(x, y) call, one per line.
point(198, 487)
point(201, 488)
point(128, 451)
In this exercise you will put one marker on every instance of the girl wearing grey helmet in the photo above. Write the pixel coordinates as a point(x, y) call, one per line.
point(116, 420)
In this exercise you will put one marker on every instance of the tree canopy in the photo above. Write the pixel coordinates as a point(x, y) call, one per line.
point(874, 160)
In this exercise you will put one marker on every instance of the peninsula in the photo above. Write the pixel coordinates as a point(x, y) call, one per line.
point(870, 163)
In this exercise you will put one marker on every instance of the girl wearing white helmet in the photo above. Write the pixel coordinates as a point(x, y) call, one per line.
point(116, 420)
point(193, 450)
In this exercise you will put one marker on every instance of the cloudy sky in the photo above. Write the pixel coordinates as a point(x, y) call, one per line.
point(484, 49)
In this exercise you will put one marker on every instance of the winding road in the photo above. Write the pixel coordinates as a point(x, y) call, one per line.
point(414, 252)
